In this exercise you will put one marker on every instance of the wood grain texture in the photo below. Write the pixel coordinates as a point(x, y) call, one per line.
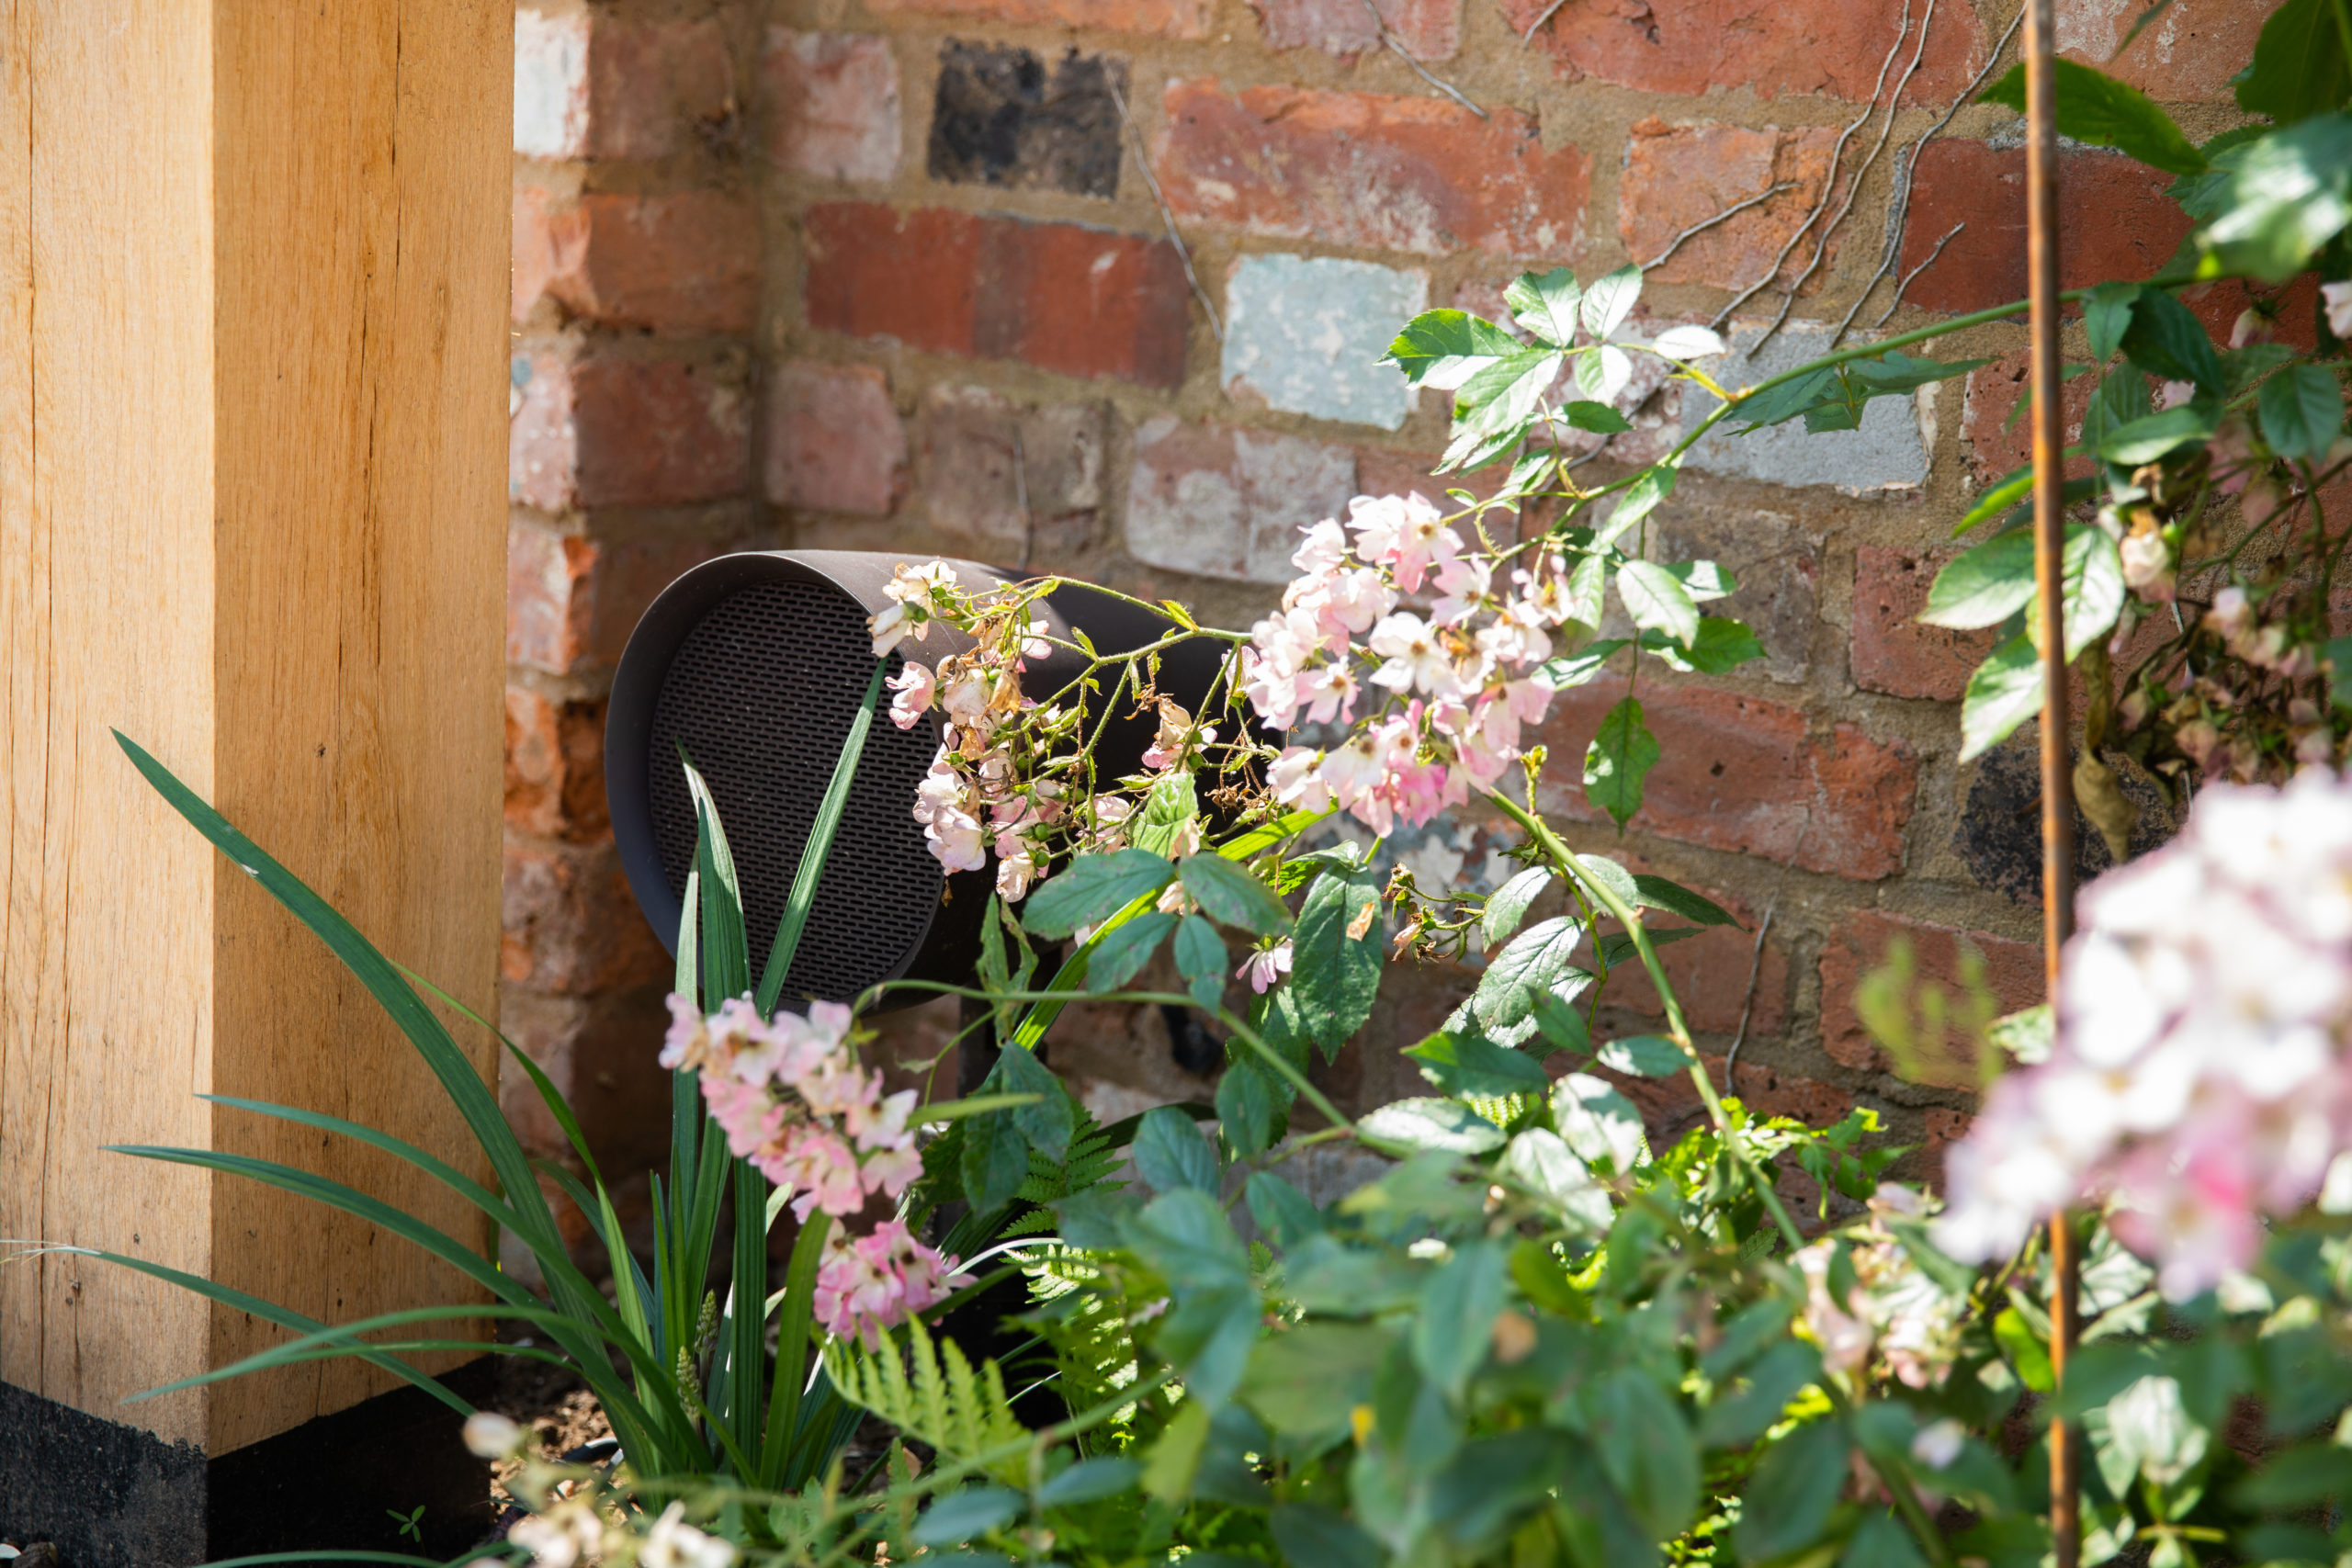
point(252, 512)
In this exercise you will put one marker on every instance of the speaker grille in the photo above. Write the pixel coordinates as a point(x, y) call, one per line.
point(761, 694)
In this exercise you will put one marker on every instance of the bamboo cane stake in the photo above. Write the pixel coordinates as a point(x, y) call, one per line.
point(2057, 769)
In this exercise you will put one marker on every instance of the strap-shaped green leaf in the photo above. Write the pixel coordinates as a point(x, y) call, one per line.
point(820, 847)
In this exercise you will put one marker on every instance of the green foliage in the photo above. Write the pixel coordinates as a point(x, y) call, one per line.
point(929, 1390)
point(2097, 108)
point(1621, 754)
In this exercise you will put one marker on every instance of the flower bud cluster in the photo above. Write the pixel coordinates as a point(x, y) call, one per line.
point(2202, 1073)
point(1435, 705)
point(793, 1102)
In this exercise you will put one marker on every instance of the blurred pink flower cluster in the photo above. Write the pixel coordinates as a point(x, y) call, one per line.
point(2200, 1079)
point(975, 795)
point(794, 1103)
point(1436, 705)
point(1890, 1306)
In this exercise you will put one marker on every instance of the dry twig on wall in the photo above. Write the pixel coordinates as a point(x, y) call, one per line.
point(1151, 182)
point(1389, 36)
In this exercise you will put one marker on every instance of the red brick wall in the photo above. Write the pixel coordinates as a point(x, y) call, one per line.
point(887, 274)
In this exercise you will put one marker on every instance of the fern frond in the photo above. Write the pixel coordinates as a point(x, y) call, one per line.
point(928, 1391)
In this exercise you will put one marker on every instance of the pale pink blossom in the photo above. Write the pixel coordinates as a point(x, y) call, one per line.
point(1265, 966)
point(1462, 582)
point(1016, 873)
point(914, 684)
point(1324, 550)
point(1328, 692)
point(2337, 297)
point(1401, 533)
point(688, 1044)
point(869, 1284)
point(1295, 781)
point(1413, 656)
point(957, 841)
point(965, 694)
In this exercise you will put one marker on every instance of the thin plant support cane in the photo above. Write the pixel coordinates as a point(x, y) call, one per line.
point(2057, 768)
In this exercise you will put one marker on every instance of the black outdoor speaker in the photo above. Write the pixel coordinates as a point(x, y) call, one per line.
point(755, 664)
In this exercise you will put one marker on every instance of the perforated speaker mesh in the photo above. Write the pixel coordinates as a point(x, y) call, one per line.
point(760, 693)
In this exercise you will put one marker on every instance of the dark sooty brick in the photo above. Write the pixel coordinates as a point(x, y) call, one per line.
point(1000, 117)
point(1999, 835)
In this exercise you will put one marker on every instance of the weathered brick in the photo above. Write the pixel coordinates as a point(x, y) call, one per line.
point(832, 104)
point(1992, 427)
point(1402, 173)
point(2121, 223)
point(536, 231)
point(1700, 46)
point(1740, 773)
point(571, 601)
point(2012, 973)
point(570, 924)
point(1677, 176)
point(1892, 652)
point(1166, 18)
point(1305, 333)
point(1219, 502)
point(2188, 56)
point(555, 767)
point(685, 262)
point(611, 431)
point(1886, 453)
point(1429, 29)
point(834, 442)
point(596, 1052)
point(1082, 301)
point(1024, 484)
point(1777, 562)
point(1000, 117)
point(593, 86)
point(1709, 974)
point(1670, 1106)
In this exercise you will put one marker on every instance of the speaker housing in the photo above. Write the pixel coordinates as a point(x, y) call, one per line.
point(755, 663)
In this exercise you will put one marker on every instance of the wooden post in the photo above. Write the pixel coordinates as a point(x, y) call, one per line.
point(252, 346)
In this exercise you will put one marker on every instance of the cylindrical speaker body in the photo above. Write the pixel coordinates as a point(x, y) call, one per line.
point(753, 665)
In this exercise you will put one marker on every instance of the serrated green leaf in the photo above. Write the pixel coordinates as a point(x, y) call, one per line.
point(1541, 1161)
point(1598, 1123)
point(2277, 199)
point(2107, 316)
point(1661, 893)
point(1168, 806)
point(1445, 348)
point(1561, 1024)
point(1545, 304)
point(1611, 299)
point(1470, 1064)
point(1171, 1153)
point(2165, 339)
point(1230, 893)
point(1199, 959)
point(1455, 1326)
point(2302, 411)
point(1621, 754)
point(1644, 1056)
point(1583, 413)
point(1090, 1480)
point(2005, 690)
point(2097, 108)
point(1246, 1108)
point(1637, 501)
point(1507, 905)
point(994, 1161)
point(1336, 957)
point(2145, 439)
point(1424, 1126)
point(1724, 645)
point(1285, 1215)
point(1048, 1123)
point(1575, 668)
point(960, 1516)
point(1792, 1496)
point(1536, 960)
point(2300, 68)
point(1125, 949)
point(1656, 600)
point(1091, 889)
point(1647, 1448)
point(1985, 585)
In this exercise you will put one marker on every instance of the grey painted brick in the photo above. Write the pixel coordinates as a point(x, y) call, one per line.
point(1218, 502)
point(1886, 453)
point(1304, 334)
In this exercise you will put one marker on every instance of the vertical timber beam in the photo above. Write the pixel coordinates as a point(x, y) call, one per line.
point(253, 344)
